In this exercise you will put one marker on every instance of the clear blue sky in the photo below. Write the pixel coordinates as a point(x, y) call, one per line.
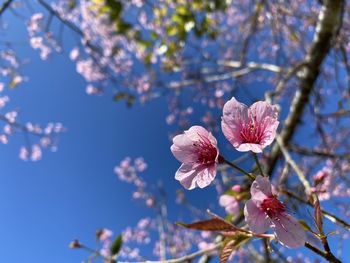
point(71, 193)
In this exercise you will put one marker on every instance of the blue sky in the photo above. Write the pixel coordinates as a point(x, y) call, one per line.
point(71, 193)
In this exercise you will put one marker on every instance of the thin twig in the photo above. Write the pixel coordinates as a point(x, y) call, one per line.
point(328, 215)
point(223, 160)
point(187, 257)
point(295, 167)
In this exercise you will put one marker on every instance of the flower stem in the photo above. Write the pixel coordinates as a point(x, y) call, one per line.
point(223, 160)
point(258, 164)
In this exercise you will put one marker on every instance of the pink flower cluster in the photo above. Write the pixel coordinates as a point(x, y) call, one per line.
point(128, 171)
point(247, 129)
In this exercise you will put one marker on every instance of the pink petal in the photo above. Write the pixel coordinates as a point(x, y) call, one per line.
point(206, 176)
point(234, 114)
point(288, 231)
point(271, 126)
point(196, 133)
point(182, 149)
point(262, 110)
point(186, 174)
point(266, 117)
point(245, 147)
point(230, 203)
point(260, 189)
point(256, 219)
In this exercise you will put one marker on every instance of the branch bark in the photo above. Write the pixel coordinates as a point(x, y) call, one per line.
point(329, 22)
point(4, 6)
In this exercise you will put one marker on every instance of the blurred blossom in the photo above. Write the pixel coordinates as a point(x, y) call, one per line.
point(74, 54)
point(4, 139)
point(104, 234)
point(24, 154)
point(36, 153)
point(3, 101)
point(230, 204)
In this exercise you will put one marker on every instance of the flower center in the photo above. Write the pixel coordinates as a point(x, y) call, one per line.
point(251, 132)
point(272, 207)
point(206, 151)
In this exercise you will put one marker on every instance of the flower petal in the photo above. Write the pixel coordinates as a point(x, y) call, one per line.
point(256, 219)
point(245, 147)
point(260, 189)
point(288, 231)
point(196, 132)
point(234, 114)
point(262, 110)
point(230, 203)
point(182, 149)
point(206, 176)
point(186, 174)
point(266, 117)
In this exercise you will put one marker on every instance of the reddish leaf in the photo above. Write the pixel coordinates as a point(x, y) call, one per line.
point(227, 251)
point(231, 244)
point(214, 224)
point(318, 215)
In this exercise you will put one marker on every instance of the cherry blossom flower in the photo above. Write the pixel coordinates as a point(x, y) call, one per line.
point(230, 203)
point(249, 129)
point(198, 152)
point(264, 210)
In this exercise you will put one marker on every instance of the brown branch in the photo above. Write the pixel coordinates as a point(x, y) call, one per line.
point(329, 21)
point(187, 258)
point(325, 254)
point(319, 153)
point(4, 6)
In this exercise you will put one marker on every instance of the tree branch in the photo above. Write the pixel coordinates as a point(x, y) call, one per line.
point(4, 6)
point(329, 21)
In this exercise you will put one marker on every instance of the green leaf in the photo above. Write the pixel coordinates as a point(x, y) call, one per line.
point(171, 30)
point(129, 99)
point(72, 4)
point(154, 35)
point(116, 246)
point(305, 226)
point(122, 27)
point(116, 8)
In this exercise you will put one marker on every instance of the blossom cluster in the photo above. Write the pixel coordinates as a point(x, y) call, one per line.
point(37, 137)
point(128, 171)
point(247, 129)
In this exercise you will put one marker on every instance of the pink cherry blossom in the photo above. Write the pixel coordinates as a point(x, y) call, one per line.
point(230, 203)
point(249, 129)
point(198, 152)
point(264, 210)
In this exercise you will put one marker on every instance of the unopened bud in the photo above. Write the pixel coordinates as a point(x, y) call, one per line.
point(75, 244)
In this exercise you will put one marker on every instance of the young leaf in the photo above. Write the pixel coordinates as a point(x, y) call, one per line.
point(231, 244)
point(318, 215)
point(305, 226)
point(227, 250)
point(116, 246)
point(214, 224)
